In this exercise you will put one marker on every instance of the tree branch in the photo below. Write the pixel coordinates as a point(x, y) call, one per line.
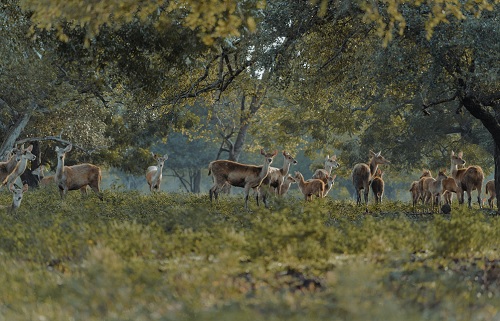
point(57, 139)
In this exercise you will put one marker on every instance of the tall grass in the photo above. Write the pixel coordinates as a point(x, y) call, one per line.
point(179, 257)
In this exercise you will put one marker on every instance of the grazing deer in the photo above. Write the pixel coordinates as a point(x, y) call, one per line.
point(69, 178)
point(490, 188)
point(323, 174)
point(275, 178)
point(154, 173)
point(468, 179)
point(289, 180)
point(362, 175)
point(8, 166)
point(435, 189)
point(25, 155)
point(239, 175)
point(17, 196)
point(310, 187)
point(378, 186)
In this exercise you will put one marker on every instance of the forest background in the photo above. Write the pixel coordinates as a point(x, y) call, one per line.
point(202, 80)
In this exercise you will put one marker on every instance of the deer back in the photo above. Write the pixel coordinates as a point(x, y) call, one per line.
point(77, 176)
point(361, 175)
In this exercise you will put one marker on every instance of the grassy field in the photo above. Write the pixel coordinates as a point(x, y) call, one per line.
point(177, 257)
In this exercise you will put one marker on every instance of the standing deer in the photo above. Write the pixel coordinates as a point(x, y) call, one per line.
point(289, 180)
point(435, 189)
point(468, 179)
point(17, 196)
point(362, 175)
point(42, 179)
point(275, 178)
point(69, 178)
point(239, 175)
point(313, 186)
point(490, 188)
point(25, 155)
point(323, 174)
point(417, 188)
point(330, 181)
point(154, 173)
point(8, 166)
point(378, 186)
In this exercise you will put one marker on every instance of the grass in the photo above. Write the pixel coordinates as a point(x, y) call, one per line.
point(178, 257)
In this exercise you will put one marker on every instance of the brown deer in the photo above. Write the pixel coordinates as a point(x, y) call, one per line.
point(275, 178)
point(449, 187)
point(42, 179)
point(289, 180)
point(154, 173)
point(415, 193)
point(435, 189)
point(362, 175)
point(468, 179)
point(25, 155)
point(17, 196)
point(239, 175)
point(310, 187)
point(416, 188)
point(69, 178)
point(378, 186)
point(8, 166)
point(490, 189)
point(323, 174)
point(330, 181)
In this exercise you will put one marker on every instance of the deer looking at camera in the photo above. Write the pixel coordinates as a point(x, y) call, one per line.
point(275, 178)
point(17, 196)
point(468, 179)
point(154, 173)
point(8, 166)
point(239, 175)
point(24, 156)
point(75, 177)
point(310, 187)
point(330, 163)
point(289, 180)
point(362, 175)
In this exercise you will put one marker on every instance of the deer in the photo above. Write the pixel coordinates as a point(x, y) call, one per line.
point(416, 188)
point(435, 189)
point(362, 175)
point(378, 186)
point(154, 173)
point(8, 166)
point(239, 175)
point(69, 178)
point(449, 187)
point(275, 178)
point(310, 187)
point(330, 181)
point(287, 182)
point(17, 196)
point(467, 179)
point(330, 163)
point(25, 155)
point(490, 188)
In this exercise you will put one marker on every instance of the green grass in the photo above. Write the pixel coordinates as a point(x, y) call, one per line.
point(179, 257)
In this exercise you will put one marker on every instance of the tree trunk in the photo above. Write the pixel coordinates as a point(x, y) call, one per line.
point(196, 187)
point(14, 133)
point(497, 171)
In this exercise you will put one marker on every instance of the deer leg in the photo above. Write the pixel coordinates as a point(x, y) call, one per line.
point(469, 198)
point(479, 197)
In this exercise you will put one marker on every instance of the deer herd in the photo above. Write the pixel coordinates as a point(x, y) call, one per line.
point(263, 180)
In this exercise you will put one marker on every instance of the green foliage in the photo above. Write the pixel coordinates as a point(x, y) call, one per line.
point(175, 256)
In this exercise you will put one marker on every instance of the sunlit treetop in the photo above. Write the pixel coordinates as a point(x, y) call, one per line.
point(211, 19)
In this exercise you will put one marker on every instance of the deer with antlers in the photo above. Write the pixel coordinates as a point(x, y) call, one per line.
point(154, 173)
point(468, 179)
point(239, 175)
point(76, 177)
point(362, 175)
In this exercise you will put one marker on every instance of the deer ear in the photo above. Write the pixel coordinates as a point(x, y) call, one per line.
point(460, 154)
point(372, 153)
point(334, 176)
point(12, 187)
point(68, 148)
point(25, 187)
point(262, 151)
point(165, 156)
point(30, 148)
point(334, 157)
point(275, 153)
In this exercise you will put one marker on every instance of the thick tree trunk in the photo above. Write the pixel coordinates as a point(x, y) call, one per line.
point(14, 133)
point(497, 171)
point(196, 186)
